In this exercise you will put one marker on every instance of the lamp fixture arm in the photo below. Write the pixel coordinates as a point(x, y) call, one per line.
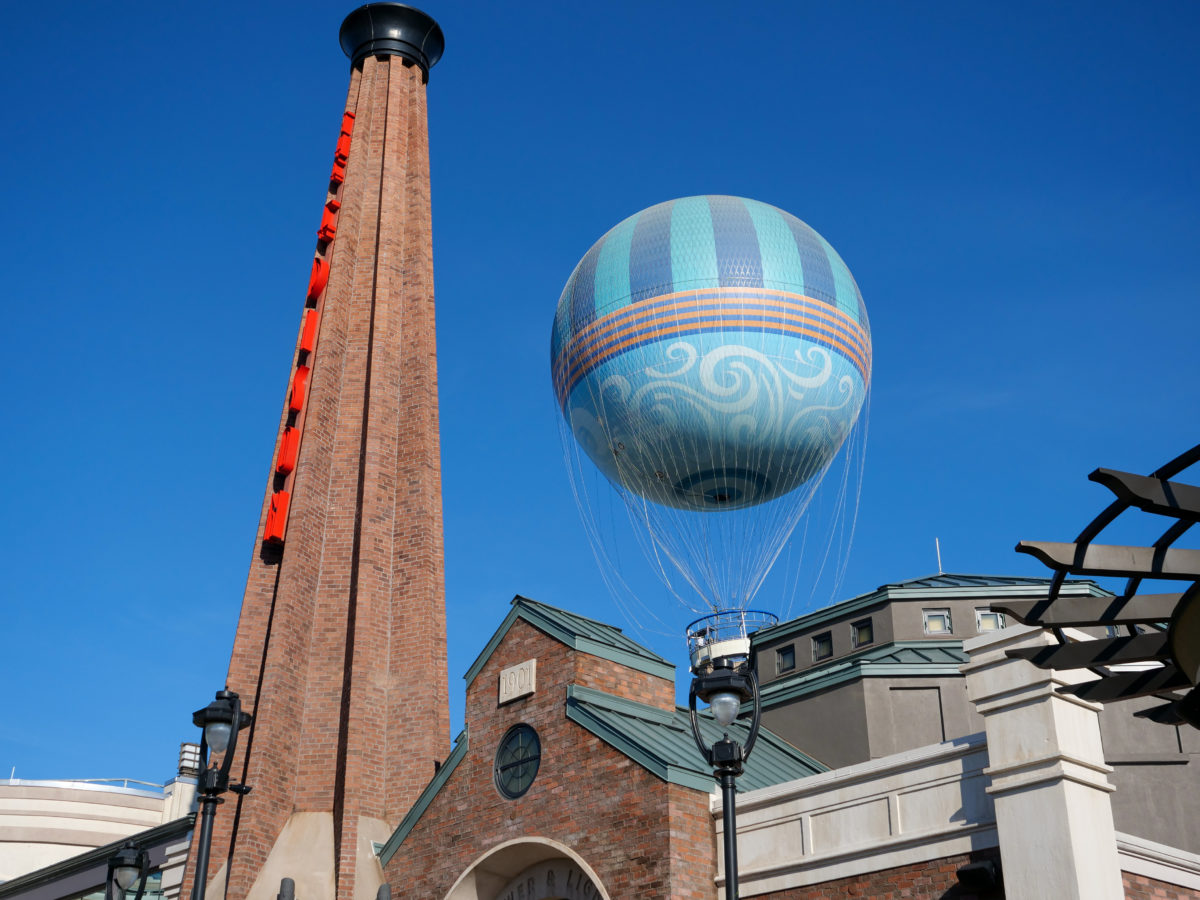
point(231, 750)
point(755, 716)
point(700, 745)
point(143, 874)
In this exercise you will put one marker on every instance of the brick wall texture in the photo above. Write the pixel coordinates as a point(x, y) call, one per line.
point(934, 879)
point(1139, 887)
point(643, 837)
point(340, 627)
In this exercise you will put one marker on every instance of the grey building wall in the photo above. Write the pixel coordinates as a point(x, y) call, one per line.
point(906, 713)
point(890, 621)
point(909, 620)
point(829, 726)
point(841, 630)
point(872, 717)
point(1156, 769)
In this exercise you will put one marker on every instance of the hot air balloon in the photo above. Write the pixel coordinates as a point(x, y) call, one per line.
point(709, 356)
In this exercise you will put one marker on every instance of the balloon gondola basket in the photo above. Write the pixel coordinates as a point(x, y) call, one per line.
point(725, 636)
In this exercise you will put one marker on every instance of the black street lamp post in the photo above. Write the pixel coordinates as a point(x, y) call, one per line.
point(725, 686)
point(221, 721)
point(128, 866)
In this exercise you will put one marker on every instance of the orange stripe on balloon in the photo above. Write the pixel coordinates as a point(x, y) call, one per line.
point(700, 326)
point(574, 354)
point(604, 329)
point(573, 358)
point(755, 293)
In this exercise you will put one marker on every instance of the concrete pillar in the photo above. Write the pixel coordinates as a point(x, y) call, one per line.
point(1048, 776)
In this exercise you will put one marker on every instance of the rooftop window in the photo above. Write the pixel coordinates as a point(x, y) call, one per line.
point(862, 632)
point(988, 620)
point(822, 646)
point(937, 621)
point(785, 659)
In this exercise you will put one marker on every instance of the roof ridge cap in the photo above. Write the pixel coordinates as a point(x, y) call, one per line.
point(594, 696)
point(518, 598)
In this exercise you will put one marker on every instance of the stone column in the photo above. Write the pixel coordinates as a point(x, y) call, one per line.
point(1048, 776)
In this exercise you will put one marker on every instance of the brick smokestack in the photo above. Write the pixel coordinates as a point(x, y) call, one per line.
point(340, 650)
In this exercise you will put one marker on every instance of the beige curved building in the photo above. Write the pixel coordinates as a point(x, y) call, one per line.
point(46, 822)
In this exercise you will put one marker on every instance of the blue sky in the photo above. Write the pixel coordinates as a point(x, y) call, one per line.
point(1014, 187)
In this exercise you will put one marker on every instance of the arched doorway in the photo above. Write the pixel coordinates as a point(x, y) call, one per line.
point(529, 869)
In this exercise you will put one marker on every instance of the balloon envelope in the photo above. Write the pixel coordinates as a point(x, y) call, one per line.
point(711, 353)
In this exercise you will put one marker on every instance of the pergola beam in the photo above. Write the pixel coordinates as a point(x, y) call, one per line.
point(1063, 611)
point(1152, 495)
point(1106, 652)
point(1116, 561)
point(1127, 685)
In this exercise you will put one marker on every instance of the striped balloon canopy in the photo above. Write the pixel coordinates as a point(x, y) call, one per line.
point(711, 353)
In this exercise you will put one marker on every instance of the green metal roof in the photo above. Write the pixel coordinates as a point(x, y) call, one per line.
point(917, 653)
point(933, 586)
point(898, 659)
point(948, 580)
point(578, 632)
point(661, 742)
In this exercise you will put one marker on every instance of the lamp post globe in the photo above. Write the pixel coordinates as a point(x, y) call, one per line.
point(127, 867)
point(217, 721)
point(725, 706)
point(217, 735)
point(125, 877)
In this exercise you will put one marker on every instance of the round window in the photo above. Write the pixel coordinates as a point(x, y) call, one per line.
point(517, 760)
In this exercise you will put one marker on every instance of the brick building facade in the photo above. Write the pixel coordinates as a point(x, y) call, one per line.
point(934, 879)
point(631, 814)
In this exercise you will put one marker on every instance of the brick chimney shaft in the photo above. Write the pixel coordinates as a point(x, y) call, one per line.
point(340, 651)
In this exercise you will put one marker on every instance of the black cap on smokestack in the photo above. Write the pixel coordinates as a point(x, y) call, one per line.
point(392, 29)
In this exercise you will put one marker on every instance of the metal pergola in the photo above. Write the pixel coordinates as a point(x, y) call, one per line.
point(1142, 627)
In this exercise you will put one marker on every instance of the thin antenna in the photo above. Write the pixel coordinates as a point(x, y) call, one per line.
point(937, 544)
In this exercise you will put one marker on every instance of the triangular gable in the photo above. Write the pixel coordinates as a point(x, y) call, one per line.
point(577, 632)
